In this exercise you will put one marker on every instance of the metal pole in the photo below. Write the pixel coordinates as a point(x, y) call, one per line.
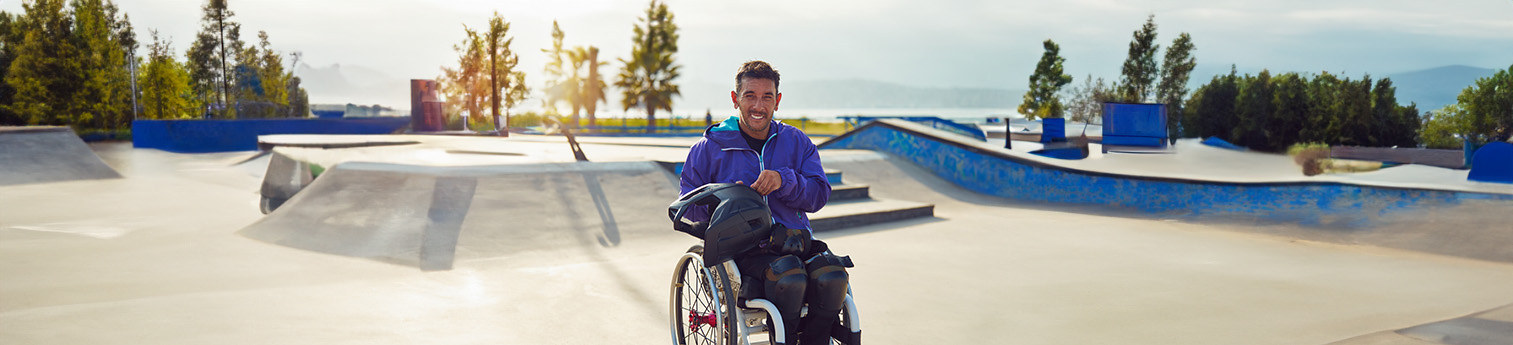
point(134, 105)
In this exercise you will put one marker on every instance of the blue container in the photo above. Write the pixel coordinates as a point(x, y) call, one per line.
point(1052, 130)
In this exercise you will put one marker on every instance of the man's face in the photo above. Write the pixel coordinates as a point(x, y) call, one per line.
point(756, 100)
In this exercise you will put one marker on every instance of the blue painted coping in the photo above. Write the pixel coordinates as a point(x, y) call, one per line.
point(833, 178)
point(1122, 140)
point(1220, 143)
point(200, 136)
point(932, 121)
point(1493, 163)
point(997, 173)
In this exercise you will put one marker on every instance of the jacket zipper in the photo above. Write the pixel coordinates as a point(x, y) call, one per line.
point(762, 166)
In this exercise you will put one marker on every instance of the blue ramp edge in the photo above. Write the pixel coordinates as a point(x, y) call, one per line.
point(1220, 143)
point(1001, 174)
point(1492, 163)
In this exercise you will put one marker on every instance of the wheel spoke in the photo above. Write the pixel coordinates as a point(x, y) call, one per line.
point(696, 299)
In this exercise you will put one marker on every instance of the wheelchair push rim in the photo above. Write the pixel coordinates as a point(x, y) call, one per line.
point(697, 311)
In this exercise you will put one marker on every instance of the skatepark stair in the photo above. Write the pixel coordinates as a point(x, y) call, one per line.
point(851, 205)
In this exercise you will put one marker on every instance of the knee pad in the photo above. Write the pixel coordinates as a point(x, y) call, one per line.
point(785, 281)
point(828, 281)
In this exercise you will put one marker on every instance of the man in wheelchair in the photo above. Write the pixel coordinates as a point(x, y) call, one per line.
point(782, 166)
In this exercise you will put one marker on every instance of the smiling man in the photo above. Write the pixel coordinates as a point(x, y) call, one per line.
point(782, 164)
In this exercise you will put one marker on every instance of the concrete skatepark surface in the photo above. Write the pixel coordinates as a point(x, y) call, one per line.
point(168, 255)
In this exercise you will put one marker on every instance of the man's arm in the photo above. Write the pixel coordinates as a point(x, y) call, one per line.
point(692, 177)
point(806, 189)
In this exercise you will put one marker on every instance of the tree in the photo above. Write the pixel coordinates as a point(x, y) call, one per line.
point(1447, 127)
point(1175, 70)
point(46, 72)
point(1041, 100)
point(1290, 110)
point(593, 86)
point(647, 79)
point(556, 73)
point(1212, 108)
point(1405, 126)
point(1323, 97)
point(1385, 117)
point(247, 83)
point(1354, 122)
point(502, 75)
point(485, 69)
point(464, 87)
point(1254, 109)
point(12, 34)
point(1085, 103)
point(299, 100)
point(209, 57)
point(275, 81)
point(69, 67)
point(573, 87)
point(106, 41)
point(1489, 105)
point(1139, 70)
point(166, 92)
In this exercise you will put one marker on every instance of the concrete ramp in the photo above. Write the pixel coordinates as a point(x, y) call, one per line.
point(431, 217)
point(47, 154)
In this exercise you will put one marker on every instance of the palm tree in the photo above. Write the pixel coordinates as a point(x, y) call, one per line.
point(647, 78)
point(593, 87)
point(573, 87)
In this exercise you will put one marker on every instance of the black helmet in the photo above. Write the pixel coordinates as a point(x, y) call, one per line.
point(738, 219)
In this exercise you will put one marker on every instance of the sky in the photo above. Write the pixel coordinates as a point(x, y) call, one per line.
point(942, 43)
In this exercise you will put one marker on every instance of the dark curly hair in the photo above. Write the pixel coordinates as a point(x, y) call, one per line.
point(757, 69)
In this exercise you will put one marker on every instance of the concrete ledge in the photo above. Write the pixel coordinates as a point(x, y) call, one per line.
point(843, 215)
point(849, 192)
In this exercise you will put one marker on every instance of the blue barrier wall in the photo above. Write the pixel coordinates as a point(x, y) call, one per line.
point(1132, 124)
point(198, 136)
point(1000, 174)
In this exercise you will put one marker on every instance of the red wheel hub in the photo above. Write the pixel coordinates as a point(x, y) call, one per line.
point(695, 319)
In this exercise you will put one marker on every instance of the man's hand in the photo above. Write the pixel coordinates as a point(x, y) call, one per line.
point(767, 182)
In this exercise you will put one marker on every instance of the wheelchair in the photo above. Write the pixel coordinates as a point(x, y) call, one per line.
point(709, 304)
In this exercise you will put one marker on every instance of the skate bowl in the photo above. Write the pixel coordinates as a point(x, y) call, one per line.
point(47, 154)
point(1144, 183)
point(430, 217)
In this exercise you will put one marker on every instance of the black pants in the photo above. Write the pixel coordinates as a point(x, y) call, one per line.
point(816, 327)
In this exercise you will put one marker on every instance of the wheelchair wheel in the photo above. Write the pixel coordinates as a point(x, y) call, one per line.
point(703, 308)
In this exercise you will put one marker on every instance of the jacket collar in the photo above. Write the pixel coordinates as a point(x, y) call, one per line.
point(728, 133)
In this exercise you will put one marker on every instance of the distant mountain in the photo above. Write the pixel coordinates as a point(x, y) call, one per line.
point(1437, 87)
point(858, 94)
point(876, 94)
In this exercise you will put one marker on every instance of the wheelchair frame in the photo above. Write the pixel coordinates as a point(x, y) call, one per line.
point(706, 307)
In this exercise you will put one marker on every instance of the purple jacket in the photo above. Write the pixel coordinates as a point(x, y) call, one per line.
point(723, 156)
